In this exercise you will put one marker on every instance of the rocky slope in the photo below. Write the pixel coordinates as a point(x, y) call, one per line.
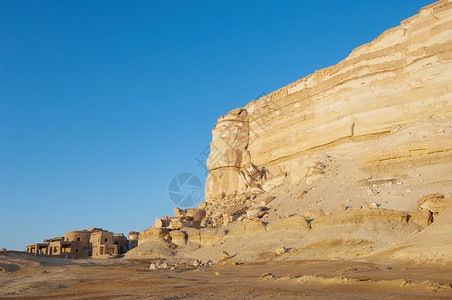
point(333, 165)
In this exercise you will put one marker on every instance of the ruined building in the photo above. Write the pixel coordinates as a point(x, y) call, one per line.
point(94, 242)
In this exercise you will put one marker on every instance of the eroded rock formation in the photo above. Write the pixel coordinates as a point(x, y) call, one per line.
point(352, 161)
point(401, 78)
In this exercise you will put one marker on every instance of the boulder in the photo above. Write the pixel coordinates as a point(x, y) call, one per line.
point(236, 209)
point(267, 200)
point(196, 214)
point(163, 265)
point(274, 182)
point(202, 205)
point(314, 213)
point(257, 212)
point(162, 223)
point(267, 276)
point(196, 263)
point(281, 250)
point(218, 220)
point(227, 220)
point(177, 224)
point(342, 207)
point(179, 212)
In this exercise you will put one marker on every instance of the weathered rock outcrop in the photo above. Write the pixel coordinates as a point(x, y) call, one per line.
point(401, 78)
point(354, 160)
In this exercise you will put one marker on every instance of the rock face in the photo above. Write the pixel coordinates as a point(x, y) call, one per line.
point(229, 162)
point(352, 161)
point(401, 78)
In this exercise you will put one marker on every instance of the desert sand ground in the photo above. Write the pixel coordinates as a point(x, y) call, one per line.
point(28, 277)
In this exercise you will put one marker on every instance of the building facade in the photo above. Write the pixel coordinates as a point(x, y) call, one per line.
point(94, 242)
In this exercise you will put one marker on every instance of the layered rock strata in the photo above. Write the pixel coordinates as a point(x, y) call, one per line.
point(401, 78)
point(352, 161)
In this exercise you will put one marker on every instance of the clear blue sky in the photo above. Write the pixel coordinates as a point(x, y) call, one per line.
point(103, 102)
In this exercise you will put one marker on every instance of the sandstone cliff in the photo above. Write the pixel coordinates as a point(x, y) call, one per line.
point(401, 78)
point(352, 161)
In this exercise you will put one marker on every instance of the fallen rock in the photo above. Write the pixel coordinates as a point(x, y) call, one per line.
point(227, 220)
point(342, 207)
point(267, 276)
point(257, 212)
point(153, 267)
point(179, 212)
point(315, 212)
point(177, 224)
point(196, 214)
point(272, 183)
point(218, 220)
point(267, 200)
point(236, 209)
point(196, 263)
point(202, 205)
point(163, 265)
point(208, 263)
point(161, 223)
point(281, 250)
point(154, 232)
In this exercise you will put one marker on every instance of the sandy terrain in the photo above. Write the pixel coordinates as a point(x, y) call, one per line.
point(345, 195)
point(27, 277)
